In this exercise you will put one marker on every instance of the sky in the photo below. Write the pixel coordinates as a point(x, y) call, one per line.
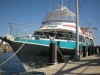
point(34, 12)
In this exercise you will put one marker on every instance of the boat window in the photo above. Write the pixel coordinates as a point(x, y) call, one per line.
point(74, 36)
point(52, 23)
point(71, 21)
point(38, 35)
point(52, 34)
point(81, 38)
point(64, 35)
point(59, 35)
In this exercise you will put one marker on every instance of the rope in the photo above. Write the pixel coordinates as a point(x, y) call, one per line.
point(43, 34)
point(13, 54)
point(59, 51)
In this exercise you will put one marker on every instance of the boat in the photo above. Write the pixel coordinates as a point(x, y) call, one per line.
point(58, 27)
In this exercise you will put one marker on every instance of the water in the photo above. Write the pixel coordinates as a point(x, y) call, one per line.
point(29, 63)
point(12, 66)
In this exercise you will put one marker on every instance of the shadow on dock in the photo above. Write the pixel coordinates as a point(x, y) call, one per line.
point(77, 69)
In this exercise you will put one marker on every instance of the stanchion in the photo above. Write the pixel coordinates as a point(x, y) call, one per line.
point(93, 48)
point(89, 50)
point(84, 51)
point(99, 50)
point(53, 53)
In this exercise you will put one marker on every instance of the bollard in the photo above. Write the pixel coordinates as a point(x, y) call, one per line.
point(98, 52)
point(93, 48)
point(53, 53)
point(99, 49)
point(84, 51)
point(89, 50)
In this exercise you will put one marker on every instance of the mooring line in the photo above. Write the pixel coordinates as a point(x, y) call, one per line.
point(59, 51)
point(13, 54)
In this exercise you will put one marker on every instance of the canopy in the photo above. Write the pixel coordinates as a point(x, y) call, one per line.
point(61, 14)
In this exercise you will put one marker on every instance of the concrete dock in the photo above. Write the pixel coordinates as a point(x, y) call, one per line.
point(89, 65)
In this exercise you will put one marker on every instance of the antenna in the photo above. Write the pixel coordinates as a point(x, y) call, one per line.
point(62, 3)
point(50, 6)
point(66, 3)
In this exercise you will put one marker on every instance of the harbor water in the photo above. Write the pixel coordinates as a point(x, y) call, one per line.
point(17, 66)
point(14, 65)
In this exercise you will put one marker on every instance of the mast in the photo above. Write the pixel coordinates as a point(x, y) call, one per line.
point(10, 28)
point(91, 32)
point(77, 32)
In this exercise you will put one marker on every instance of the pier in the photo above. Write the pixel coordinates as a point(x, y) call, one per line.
point(89, 65)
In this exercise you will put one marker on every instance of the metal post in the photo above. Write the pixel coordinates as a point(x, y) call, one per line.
point(53, 53)
point(77, 56)
point(99, 50)
point(89, 50)
point(95, 50)
point(84, 51)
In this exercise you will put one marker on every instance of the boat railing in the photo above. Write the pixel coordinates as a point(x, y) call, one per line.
point(56, 34)
point(21, 30)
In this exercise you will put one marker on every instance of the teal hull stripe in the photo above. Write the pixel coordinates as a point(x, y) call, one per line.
point(61, 44)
